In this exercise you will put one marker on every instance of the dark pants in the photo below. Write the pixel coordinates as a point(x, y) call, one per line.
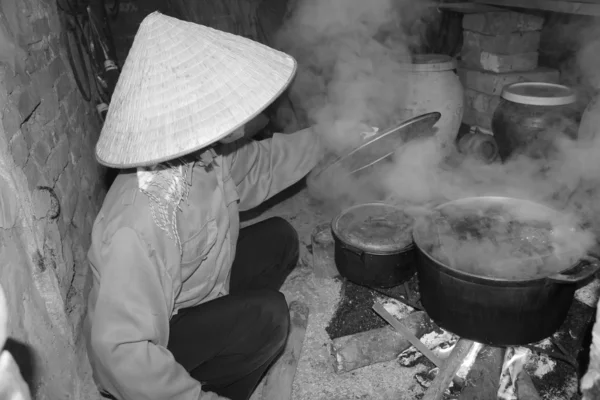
point(227, 344)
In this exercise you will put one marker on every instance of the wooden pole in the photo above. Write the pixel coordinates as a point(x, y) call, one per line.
point(279, 379)
point(588, 7)
point(448, 370)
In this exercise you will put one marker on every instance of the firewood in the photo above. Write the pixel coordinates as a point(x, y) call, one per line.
point(377, 345)
point(525, 388)
point(590, 383)
point(390, 319)
point(448, 370)
point(279, 379)
point(483, 378)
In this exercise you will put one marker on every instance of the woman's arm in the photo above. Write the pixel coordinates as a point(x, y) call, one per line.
point(261, 169)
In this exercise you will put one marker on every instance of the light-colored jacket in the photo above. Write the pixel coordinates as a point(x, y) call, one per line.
point(140, 278)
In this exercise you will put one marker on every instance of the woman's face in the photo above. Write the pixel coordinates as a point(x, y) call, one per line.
point(233, 136)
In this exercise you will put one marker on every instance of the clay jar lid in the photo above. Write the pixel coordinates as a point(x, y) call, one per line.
point(427, 63)
point(375, 228)
point(539, 94)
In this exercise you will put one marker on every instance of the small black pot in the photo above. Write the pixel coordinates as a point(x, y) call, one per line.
point(373, 266)
point(374, 270)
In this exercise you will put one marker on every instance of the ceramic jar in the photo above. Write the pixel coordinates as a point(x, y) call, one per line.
point(431, 84)
point(530, 116)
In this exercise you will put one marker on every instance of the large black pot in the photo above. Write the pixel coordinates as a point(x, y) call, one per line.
point(498, 312)
point(373, 258)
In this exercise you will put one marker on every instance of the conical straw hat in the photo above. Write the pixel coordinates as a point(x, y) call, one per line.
point(183, 87)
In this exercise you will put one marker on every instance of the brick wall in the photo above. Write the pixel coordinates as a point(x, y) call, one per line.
point(499, 48)
point(50, 190)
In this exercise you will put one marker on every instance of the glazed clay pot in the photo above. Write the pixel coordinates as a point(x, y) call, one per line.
point(431, 84)
point(530, 117)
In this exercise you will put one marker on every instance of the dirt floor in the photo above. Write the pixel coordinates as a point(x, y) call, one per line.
point(315, 378)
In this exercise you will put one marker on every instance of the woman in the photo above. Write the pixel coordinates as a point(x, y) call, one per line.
point(183, 304)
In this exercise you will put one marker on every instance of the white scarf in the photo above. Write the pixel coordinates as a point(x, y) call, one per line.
point(166, 187)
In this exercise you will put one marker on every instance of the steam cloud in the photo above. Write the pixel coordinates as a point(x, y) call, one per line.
point(348, 51)
point(349, 81)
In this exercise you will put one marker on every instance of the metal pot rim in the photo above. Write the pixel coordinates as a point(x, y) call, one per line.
point(367, 249)
point(405, 127)
point(478, 278)
point(505, 199)
point(492, 280)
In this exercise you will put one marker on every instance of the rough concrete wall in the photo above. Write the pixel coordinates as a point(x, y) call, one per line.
point(50, 191)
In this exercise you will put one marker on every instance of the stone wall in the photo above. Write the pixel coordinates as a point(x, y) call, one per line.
point(50, 191)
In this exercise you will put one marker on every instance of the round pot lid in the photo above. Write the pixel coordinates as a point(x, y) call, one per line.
point(383, 145)
point(539, 94)
point(374, 227)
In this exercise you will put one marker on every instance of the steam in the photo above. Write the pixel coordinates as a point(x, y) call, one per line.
point(348, 50)
point(500, 238)
point(349, 80)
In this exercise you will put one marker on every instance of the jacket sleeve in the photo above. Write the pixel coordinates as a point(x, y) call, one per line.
point(261, 169)
point(129, 326)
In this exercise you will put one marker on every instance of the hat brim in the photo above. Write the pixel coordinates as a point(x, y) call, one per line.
point(193, 149)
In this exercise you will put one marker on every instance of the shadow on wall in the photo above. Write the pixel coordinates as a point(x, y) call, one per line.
point(109, 177)
point(24, 358)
